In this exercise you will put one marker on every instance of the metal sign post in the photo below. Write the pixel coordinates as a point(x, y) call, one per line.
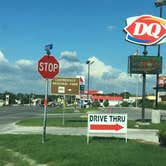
point(144, 88)
point(48, 67)
point(45, 113)
point(47, 49)
point(63, 111)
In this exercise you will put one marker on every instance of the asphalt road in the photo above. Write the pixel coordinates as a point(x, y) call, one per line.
point(15, 113)
point(10, 114)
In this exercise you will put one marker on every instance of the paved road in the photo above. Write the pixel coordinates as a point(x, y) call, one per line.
point(9, 115)
point(15, 113)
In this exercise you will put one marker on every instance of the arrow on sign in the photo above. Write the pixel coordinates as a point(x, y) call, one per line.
point(115, 127)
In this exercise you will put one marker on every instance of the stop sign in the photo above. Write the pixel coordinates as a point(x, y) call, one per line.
point(48, 66)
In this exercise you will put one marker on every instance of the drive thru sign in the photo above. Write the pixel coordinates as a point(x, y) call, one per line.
point(107, 123)
point(48, 66)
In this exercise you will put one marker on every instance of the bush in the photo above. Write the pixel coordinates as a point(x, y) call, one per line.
point(162, 137)
point(162, 105)
point(96, 104)
point(125, 104)
point(106, 103)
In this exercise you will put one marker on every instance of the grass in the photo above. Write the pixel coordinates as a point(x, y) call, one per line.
point(135, 124)
point(69, 122)
point(71, 110)
point(7, 157)
point(73, 151)
point(82, 122)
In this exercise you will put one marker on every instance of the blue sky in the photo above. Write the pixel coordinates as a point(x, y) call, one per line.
point(78, 29)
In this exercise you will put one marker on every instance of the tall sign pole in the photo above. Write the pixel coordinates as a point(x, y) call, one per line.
point(144, 88)
point(146, 30)
point(158, 4)
point(47, 49)
point(45, 112)
point(48, 67)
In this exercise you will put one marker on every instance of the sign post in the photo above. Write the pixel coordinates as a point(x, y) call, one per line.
point(48, 67)
point(146, 30)
point(45, 112)
point(65, 86)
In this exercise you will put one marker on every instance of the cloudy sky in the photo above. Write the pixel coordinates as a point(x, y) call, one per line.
point(78, 29)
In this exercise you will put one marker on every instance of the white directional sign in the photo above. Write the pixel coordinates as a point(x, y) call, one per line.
point(107, 123)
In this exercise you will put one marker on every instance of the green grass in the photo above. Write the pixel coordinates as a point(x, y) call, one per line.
point(73, 151)
point(71, 110)
point(82, 122)
point(7, 157)
point(135, 124)
point(69, 122)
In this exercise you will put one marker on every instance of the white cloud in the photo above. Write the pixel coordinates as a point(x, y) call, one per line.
point(24, 62)
point(23, 76)
point(69, 56)
point(98, 68)
point(110, 27)
point(2, 58)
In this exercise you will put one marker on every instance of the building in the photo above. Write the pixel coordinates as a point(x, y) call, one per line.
point(112, 100)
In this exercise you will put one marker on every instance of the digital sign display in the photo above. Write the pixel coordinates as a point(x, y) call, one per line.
point(145, 64)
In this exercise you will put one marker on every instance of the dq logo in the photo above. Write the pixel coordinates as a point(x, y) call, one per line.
point(145, 29)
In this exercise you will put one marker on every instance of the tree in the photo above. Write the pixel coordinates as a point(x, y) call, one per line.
point(96, 103)
point(125, 95)
point(106, 103)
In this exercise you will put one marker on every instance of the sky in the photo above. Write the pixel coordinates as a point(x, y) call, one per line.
point(78, 29)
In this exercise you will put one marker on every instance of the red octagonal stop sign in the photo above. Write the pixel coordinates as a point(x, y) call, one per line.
point(48, 66)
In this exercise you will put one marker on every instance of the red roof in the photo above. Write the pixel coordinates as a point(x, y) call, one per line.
point(115, 98)
point(93, 92)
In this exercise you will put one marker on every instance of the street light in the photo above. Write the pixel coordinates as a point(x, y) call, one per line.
point(159, 3)
point(89, 62)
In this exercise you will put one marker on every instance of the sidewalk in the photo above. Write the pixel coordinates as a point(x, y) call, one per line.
point(138, 134)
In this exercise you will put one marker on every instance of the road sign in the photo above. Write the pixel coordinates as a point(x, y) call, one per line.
point(107, 123)
point(69, 86)
point(48, 66)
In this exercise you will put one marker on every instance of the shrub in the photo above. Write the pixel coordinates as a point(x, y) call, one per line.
point(162, 105)
point(162, 137)
point(96, 104)
point(125, 104)
point(106, 103)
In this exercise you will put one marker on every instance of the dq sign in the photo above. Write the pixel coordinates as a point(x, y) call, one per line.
point(145, 30)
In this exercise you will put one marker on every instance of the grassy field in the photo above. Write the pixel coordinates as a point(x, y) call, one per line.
point(69, 122)
point(71, 110)
point(82, 122)
point(73, 151)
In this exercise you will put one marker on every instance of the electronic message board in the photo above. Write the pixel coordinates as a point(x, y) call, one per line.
point(145, 64)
